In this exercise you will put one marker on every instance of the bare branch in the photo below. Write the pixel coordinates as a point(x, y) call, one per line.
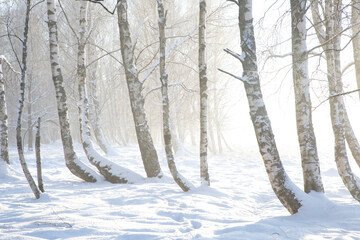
point(68, 22)
point(336, 95)
point(100, 2)
point(234, 76)
point(234, 54)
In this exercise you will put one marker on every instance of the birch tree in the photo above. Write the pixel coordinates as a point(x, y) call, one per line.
point(19, 144)
point(179, 179)
point(283, 187)
point(4, 138)
point(328, 31)
point(204, 171)
point(305, 131)
point(355, 22)
point(111, 172)
point(147, 149)
point(77, 167)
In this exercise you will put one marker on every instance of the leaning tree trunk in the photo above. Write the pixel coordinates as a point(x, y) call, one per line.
point(305, 131)
point(111, 172)
point(204, 169)
point(20, 149)
point(330, 41)
point(283, 187)
point(179, 179)
point(355, 22)
point(351, 139)
point(4, 139)
point(147, 149)
point(78, 168)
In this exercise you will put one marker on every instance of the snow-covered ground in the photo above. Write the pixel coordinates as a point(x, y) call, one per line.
point(240, 203)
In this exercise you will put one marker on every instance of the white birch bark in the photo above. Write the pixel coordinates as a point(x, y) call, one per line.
point(112, 172)
point(355, 22)
point(19, 144)
point(147, 149)
point(305, 131)
point(204, 169)
point(283, 187)
point(4, 137)
point(330, 40)
point(179, 179)
point(77, 167)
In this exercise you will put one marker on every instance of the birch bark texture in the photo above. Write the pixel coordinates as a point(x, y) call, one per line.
point(328, 32)
point(306, 136)
point(75, 166)
point(179, 179)
point(283, 187)
point(19, 144)
point(204, 168)
point(112, 172)
point(146, 145)
point(4, 135)
point(355, 22)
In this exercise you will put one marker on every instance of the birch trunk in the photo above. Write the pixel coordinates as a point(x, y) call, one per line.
point(20, 149)
point(179, 179)
point(147, 149)
point(351, 139)
point(330, 40)
point(4, 137)
point(204, 169)
point(355, 21)
point(305, 131)
point(78, 168)
point(29, 117)
point(280, 182)
point(38, 156)
point(111, 172)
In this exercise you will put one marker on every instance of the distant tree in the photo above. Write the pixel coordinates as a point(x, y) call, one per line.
point(147, 149)
point(280, 182)
point(92, 85)
point(305, 130)
point(73, 163)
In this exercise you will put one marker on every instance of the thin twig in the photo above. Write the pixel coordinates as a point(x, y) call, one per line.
point(234, 76)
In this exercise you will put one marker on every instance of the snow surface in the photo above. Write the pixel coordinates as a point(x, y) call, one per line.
point(240, 203)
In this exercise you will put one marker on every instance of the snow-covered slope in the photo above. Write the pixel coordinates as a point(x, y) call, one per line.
point(239, 204)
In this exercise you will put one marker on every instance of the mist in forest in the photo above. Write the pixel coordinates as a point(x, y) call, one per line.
point(136, 95)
